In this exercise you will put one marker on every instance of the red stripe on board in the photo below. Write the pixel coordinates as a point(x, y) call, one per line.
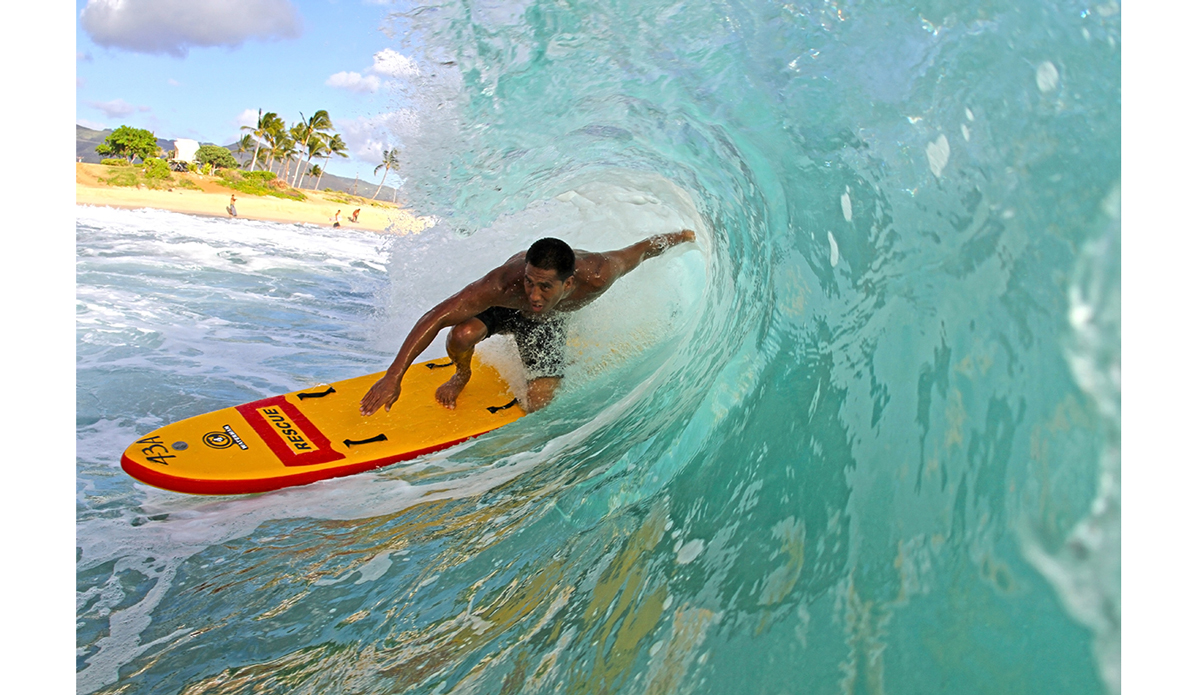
point(199, 486)
point(324, 453)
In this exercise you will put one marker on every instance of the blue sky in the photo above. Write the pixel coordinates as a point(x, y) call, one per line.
point(200, 69)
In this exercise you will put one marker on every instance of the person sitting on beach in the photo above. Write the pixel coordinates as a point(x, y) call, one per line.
point(232, 209)
point(354, 215)
point(525, 298)
point(337, 219)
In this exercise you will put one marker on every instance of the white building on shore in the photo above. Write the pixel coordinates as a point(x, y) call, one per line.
point(185, 151)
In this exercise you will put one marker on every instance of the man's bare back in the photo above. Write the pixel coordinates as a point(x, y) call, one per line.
point(522, 296)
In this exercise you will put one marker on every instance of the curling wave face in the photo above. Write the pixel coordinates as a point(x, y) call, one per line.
point(863, 436)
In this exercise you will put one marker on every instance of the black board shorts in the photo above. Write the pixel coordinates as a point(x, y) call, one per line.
point(541, 344)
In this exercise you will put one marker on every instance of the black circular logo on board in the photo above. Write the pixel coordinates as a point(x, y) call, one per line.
point(218, 440)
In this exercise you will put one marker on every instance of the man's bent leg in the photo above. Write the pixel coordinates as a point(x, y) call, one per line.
point(541, 392)
point(460, 346)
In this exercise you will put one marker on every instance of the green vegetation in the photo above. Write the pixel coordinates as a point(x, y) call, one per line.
point(129, 143)
point(157, 170)
point(127, 177)
point(262, 177)
point(248, 183)
point(154, 173)
point(112, 162)
point(218, 157)
point(348, 199)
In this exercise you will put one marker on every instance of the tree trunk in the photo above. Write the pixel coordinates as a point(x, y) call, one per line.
point(300, 172)
point(377, 190)
point(317, 185)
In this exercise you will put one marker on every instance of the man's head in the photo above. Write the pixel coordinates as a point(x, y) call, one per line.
point(549, 273)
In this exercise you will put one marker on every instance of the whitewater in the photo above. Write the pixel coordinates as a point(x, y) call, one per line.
point(862, 437)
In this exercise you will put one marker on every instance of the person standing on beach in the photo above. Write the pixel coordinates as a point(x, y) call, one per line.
point(232, 209)
point(337, 219)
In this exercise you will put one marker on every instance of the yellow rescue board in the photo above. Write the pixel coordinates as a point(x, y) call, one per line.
point(318, 433)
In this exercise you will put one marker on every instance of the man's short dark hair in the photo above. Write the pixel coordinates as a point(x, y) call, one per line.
point(552, 254)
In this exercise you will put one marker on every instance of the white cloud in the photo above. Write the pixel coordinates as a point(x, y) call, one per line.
point(354, 82)
point(248, 117)
point(392, 64)
point(367, 138)
point(172, 82)
point(174, 26)
point(117, 108)
point(90, 124)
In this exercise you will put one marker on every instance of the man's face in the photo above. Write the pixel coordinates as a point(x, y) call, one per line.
point(543, 288)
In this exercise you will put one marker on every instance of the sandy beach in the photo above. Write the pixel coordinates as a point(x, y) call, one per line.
point(210, 199)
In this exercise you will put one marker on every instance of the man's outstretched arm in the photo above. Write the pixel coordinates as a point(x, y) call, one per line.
point(624, 260)
point(473, 299)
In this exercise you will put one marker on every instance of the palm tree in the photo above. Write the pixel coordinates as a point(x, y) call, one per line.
point(295, 134)
point(272, 134)
point(244, 145)
point(266, 123)
point(391, 160)
point(316, 147)
point(281, 147)
point(317, 125)
point(333, 146)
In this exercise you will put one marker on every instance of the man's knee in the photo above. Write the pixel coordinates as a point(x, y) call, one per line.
point(541, 392)
point(466, 335)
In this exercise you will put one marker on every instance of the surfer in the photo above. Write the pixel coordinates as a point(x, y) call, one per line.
point(525, 298)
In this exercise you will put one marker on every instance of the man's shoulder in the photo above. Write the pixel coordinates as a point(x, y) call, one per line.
point(498, 283)
point(594, 269)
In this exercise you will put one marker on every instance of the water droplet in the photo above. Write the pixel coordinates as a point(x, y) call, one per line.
point(1047, 77)
point(938, 153)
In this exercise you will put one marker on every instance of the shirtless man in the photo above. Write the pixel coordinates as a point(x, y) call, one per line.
point(525, 297)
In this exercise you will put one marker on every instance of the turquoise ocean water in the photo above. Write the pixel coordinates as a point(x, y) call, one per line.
point(864, 437)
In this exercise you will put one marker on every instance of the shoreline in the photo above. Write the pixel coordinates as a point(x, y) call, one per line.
point(209, 198)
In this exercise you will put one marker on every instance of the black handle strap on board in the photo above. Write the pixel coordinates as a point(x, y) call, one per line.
point(432, 365)
point(493, 409)
point(377, 438)
point(322, 394)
